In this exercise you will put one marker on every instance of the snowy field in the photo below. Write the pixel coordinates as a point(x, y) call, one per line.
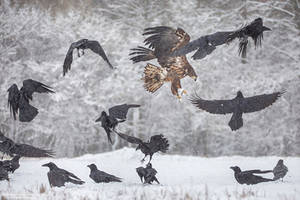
point(181, 177)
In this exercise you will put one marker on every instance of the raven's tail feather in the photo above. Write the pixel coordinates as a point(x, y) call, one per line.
point(141, 54)
point(78, 182)
point(153, 79)
point(236, 121)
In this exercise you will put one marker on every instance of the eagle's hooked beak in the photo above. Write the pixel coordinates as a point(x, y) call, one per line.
point(195, 78)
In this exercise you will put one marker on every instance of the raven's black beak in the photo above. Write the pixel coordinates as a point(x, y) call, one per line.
point(266, 28)
point(98, 120)
point(45, 165)
point(88, 166)
point(232, 168)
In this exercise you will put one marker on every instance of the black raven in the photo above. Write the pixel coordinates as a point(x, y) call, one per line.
point(19, 99)
point(109, 122)
point(11, 165)
point(9, 147)
point(58, 177)
point(3, 173)
point(205, 45)
point(254, 30)
point(157, 143)
point(280, 170)
point(148, 174)
point(237, 106)
point(83, 44)
point(100, 176)
point(248, 177)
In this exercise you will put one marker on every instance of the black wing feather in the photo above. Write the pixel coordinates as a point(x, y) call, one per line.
point(130, 139)
point(68, 60)
point(159, 143)
point(120, 111)
point(96, 48)
point(13, 99)
point(259, 102)
point(30, 86)
point(214, 106)
point(26, 150)
point(204, 45)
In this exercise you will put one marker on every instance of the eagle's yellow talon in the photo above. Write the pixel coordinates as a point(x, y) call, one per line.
point(184, 92)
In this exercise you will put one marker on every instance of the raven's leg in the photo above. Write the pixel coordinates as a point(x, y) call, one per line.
point(141, 177)
point(150, 158)
point(143, 158)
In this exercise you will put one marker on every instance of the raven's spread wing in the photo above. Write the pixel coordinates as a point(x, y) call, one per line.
point(13, 99)
point(30, 86)
point(68, 60)
point(26, 111)
point(214, 106)
point(96, 48)
point(204, 45)
point(120, 111)
point(165, 39)
point(259, 102)
point(130, 139)
point(26, 150)
point(258, 171)
point(159, 143)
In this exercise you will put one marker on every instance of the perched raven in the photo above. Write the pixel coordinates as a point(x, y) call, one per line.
point(9, 147)
point(148, 174)
point(237, 106)
point(3, 173)
point(100, 176)
point(280, 170)
point(205, 45)
point(109, 122)
point(157, 143)
point(58, 177)
point(248, 177)
point(11, 165)
point(83, 44)
point(19, 99)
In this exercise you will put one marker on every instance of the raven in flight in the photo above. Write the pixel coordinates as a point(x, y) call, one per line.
point(83, 44)
point(11, 165)
point(148, 174)
point(205, 45)
point(100, 176)
point(248, 177)
point(164, 40)
point(3, 173)
point(280, 170)
point(157, 143)
point(109, 122)
point(237, 106)
point(58, 177)
point(9, 147)
point(18, 100)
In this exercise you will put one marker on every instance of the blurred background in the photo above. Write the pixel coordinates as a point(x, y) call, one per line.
point(35, 36)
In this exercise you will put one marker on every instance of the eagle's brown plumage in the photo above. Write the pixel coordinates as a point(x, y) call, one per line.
point(164, 40)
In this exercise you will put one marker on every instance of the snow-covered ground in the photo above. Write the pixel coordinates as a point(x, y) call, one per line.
point(181, 177)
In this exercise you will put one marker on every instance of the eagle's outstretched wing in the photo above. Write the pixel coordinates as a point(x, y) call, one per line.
point(120, 111)
point(130, 139)
point(30, 86)
point(259, 102)
point(13, 99)
point(159, 143)
point(26, 150)
point(165, 39)
point(214, 106)
point(204, 45)
point(96, 48)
